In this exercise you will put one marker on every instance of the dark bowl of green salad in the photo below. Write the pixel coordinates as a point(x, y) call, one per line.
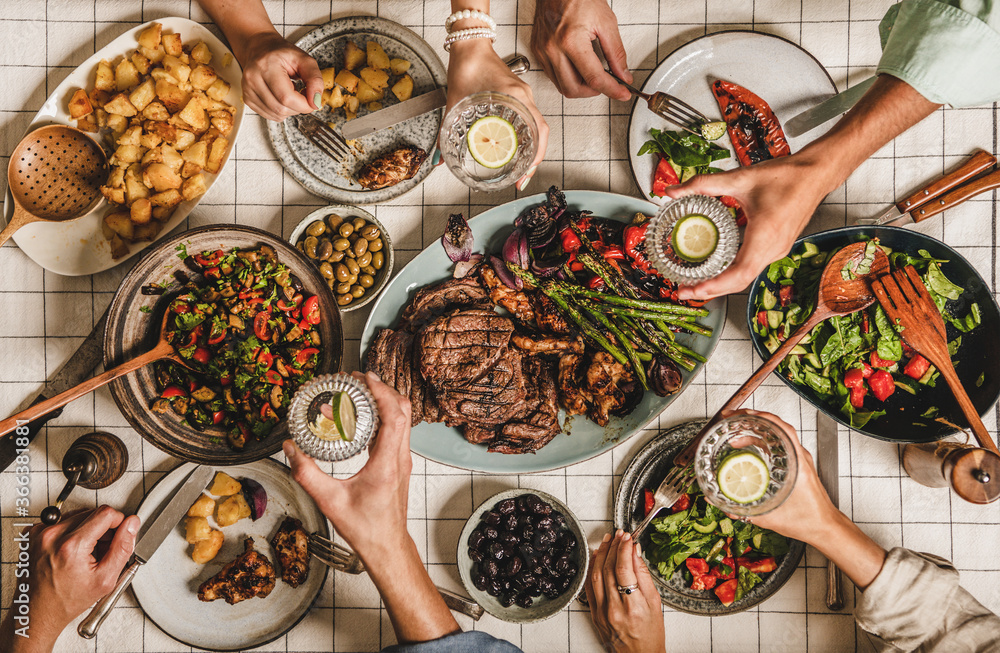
point(858, 368)
point(701, 561)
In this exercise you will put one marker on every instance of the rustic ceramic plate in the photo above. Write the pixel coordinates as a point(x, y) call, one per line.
point(131, 331)
point(166, 587)
point(978, 357)
point(583, 439)
point(543, 607)
point(316, 171)
point(787, 77)
point(79, 248)
point(647, 470)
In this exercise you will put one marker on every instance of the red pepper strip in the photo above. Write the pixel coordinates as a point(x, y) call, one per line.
point(634, 239)
point(882, 385)
point(310, 310)
point(727, 592)
point(202, 355)
point(697, 566)
point(785, 295)
point(576, 266)
point(272, 377)
point(218, 416)
point(683, 503)
point(917, 367)
point(595, 283)
point(213, 273)
point(247, 294)
point(664, 176)
point(570, 241)
point(647, 502)
point(877, 361)
point(303, 356)
point(753, 128)
point(865, 326)
point(613, 253)
point(172, 391)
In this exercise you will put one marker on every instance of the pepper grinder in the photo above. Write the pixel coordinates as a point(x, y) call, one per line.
point(94, 461)
point(971, 471)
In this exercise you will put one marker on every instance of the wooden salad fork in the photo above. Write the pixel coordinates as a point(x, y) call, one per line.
point(908, 304)
point(340, 558)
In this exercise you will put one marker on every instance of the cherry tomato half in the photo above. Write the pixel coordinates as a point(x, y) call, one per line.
point(272, 377)
point(260, 326)
point(202, 355)
point(310, 310)
point(303, 356)
point(172, 391)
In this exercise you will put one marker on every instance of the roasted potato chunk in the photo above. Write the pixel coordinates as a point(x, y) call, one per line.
point(348, 80)
point(329, 75)
point(377, 58)
point(201, 53)
point(224, 485)
point(205, 550)
point(366, 93)
point(172, 44)
point(202, 77)
point(196, 529)
point(80, 105)
point(126, 76)
point(150, 37)
point(143, 95)
point(204, 506)
point(168, 198)
point(353, 56)
point(119, 105)
point(399, 66)
point(231, 510)
point(377, 79)
point(121, 224)
point(218, 90)
point(160, 177)
point(403, 89)
point(141, 211)
point(193, 187)
point(105, 77)
point(216, 153)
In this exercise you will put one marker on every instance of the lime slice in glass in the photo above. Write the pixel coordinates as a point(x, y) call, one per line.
point(337, 419)
point(743, 477)
point(694, 238)
point(492, 141)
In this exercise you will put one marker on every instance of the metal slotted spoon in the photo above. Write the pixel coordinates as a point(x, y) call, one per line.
point(54, 175)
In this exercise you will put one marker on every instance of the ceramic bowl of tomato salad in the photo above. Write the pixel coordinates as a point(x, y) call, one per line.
point(215, 415)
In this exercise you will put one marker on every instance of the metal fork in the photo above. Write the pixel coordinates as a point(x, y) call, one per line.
point(671, 488)
point(322, 136)
point(341, 558)
point(668, 107)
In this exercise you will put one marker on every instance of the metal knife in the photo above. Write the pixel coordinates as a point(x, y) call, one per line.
point(75, 370)
point(149, 541)
point(918, 206)
point(826, 110)
point(827, 451)
point(413, 107)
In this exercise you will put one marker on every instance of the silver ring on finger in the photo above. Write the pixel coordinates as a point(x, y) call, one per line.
point(628, 589)
point(745, 520)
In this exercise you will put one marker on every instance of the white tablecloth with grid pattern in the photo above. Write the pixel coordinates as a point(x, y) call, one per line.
point(45, 316)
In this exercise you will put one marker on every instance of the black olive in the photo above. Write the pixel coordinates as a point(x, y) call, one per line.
point(545, 524)
point(507, 599)
point(476, 556)
point(522, 503)
point(495, 551)
point(476, 540)
point(510, 539)
point(490, 569)
point(506, 507)
point(527, 551)
point(479, 580)
point(552, 592)
point(531, 501)
point(490, 533)
point(564, 583)
point(494, 589)
point(541, 508)
point(509, 522)
point(558, 519)
point(571, 570)
point(525, 581)
point(546, 585)
point(560, 566)
point(566, 540)
point(527, 532)
point(537, 568)
point(524, 600)
point(544, 539)
point(513, 566)
point(491, 517)
point(505, 584)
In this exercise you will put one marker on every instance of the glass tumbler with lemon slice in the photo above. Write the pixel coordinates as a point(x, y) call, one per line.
point(488, 140)
point(746, 465)
point(333, 417)
point(692, 239)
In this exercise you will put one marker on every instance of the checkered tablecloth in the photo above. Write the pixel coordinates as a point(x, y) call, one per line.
point(44, 317)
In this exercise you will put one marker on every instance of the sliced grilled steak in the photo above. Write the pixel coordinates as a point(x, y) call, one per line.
point(489, 401)
point(459, 349)
point(417, 389)
point(404, 358)
point(479, 435)
point(432, 301)
point(432, 411)
point(538, 423)
point(377, 352)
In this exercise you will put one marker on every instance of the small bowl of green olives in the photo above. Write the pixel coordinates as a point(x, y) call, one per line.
point(351, 249)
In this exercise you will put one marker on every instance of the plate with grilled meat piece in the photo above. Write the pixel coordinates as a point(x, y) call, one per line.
point(490, 388)
point(259, 584)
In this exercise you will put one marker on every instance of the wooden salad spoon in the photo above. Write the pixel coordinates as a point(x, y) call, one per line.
point(837, 296)
point(162, 351)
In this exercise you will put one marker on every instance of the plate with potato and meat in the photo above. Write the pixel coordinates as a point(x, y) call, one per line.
point(235, 573)
point(368, 64)
point(165, 101)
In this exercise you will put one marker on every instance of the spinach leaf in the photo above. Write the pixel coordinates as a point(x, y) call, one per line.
point(773, 544)
point(889, 349)
point(940, 284)
point(747, 581)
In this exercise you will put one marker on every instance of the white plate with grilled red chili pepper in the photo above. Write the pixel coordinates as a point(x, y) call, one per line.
point(779, 72)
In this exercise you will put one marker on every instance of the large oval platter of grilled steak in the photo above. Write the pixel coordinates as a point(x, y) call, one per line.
point(488, 394)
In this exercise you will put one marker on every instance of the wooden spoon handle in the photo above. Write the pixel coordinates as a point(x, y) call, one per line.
point(971, 414)
point(33, 412)
point(17, 220)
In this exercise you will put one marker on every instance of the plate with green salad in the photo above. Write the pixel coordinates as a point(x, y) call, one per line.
point(702, 561)
point(859, 368)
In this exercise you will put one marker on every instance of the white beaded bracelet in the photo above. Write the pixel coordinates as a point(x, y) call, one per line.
point(467, 34)
point(465, 14)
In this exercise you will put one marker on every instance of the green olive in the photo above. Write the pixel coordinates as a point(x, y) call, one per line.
point(331, 283)
point(342, 272)
point(326, 270)
point(378, 259)
point(366, 280)
point(345, 299)
point(333, 221)
point(359, 223)
point(360, 247)
point(353, 279)
point(311, 243)
point(353, 238)
point(375, 245)
point(365, 259)
point(357, 291)
point(370, 232)
point(301, 246)
point(341, 244)
point(352, 265)
point(324, 250)
point(345, 229)
point(368, 269)
point(316, 229)
point(336, 257)
point(343, 288)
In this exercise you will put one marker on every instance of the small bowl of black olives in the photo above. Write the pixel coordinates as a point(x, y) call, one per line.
point(523, 556)
point(351, 249)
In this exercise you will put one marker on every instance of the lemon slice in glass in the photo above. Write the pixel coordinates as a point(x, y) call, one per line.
point(337, 420)
point(743, 477)
point(694, 238)
point(492, 141)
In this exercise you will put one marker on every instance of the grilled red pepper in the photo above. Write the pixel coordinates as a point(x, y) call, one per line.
point(595, 283)
point(664, 176)
point(917, 367)
point(683, 503)
point(785, 295)
point(753, 128)
point(647, 502)
point(727, 592)
point(882, 385)
point(570, 241)
point(877, 361)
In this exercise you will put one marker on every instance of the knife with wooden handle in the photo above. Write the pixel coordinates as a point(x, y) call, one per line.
point(828, 469)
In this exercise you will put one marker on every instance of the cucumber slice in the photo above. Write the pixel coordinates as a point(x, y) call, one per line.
point(687, 173)
point(713, 131)
point(772, 343)
point(814, 360)
point(726, 526)
point(925, 379)
point(774, 319)
point(799, 350)
point(809, 250)
point(758, 539)
point(707, 528)
point(768, 300)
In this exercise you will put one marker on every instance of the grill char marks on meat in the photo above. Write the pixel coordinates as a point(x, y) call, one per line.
point(291, 544)
point(538, 423)
point(417, 389)
point(432, 301)
point(391, 168)
point(404, 358)
point(377, 353)
point(250, 574)
point(597, 385)
point(490, 400)
point(516, 302)
point(459, 349)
